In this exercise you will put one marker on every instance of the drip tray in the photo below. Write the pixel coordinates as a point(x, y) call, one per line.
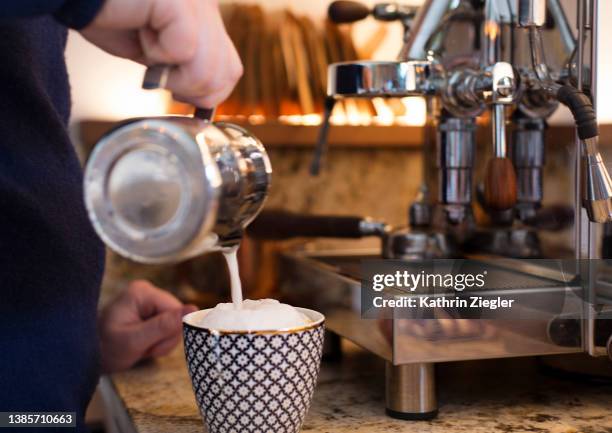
point(330, 282)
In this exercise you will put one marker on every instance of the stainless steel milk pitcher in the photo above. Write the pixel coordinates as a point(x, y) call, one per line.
point(166, 189)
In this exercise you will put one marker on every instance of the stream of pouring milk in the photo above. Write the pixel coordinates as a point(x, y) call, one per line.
point(232, 264)
point(250, 315)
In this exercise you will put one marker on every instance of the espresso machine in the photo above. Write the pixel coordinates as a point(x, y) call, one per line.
point(503, 66)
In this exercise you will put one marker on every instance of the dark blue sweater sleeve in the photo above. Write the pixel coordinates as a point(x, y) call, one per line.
point(75, 14)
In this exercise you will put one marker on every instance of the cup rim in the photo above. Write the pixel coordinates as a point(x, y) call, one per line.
point(317, 318)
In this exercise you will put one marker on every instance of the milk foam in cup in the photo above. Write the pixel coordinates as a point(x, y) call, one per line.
point(249, 315)
point(254, 315)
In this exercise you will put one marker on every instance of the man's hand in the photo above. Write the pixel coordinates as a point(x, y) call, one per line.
point(186, 33)
point(142, 322)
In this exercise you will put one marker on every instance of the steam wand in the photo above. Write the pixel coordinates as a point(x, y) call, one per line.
point(596, 182)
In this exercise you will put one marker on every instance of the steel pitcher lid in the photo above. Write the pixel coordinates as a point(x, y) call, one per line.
point(151, 188)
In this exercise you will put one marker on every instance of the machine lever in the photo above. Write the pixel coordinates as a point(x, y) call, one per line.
point(345, 11)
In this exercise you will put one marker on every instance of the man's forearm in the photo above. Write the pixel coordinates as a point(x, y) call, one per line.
point(73, 13)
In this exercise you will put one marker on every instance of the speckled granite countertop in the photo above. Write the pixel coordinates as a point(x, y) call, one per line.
point(510, 395)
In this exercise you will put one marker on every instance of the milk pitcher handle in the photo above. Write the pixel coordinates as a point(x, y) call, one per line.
point(156, 77)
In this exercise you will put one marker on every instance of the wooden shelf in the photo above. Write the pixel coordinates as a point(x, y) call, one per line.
point(279, 134)
point(302, 136)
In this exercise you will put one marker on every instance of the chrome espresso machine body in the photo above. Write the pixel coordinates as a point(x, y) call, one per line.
point(513, 61)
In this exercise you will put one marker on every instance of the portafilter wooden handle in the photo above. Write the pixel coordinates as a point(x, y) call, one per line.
point(500, 178)
point(500, 184)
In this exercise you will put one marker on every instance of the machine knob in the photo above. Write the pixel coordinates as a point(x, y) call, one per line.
point(345, 11)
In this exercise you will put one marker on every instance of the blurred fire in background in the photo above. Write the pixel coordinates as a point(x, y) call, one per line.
point(285, 57)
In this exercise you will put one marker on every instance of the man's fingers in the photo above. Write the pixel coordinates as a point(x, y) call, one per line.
point(189, 308)
point(215, 68)
point(208, 100)
point(122, 43)
point(187, 34)
point(190, 83)
point(172, 34)
point(165, 346)
point(150, 300)
point(156, 329)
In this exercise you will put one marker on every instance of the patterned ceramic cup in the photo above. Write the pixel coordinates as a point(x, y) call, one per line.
point(259, 381)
